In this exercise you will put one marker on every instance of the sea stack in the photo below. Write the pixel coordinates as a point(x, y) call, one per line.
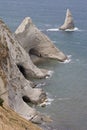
point(69, 23)
point(37, 43)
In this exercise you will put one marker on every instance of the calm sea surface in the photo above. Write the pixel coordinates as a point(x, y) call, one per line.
point(68, 84)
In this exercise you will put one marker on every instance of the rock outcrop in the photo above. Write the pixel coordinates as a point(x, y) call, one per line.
point(36, 43)
point(13, 85)
point(22, 58)
point(68, 23)
point(16, 66)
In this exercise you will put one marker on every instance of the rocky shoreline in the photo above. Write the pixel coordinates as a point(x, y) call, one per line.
point(17, 65)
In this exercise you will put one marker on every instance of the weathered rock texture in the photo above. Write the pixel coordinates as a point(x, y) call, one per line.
point(36, 43)
point(16, 65)
point(13, 85)
point(69, 23)
point(22, 58)
point(10, 120)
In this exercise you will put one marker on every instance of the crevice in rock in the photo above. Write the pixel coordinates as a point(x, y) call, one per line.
point(22, 70)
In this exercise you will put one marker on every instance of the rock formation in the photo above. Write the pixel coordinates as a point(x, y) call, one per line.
point(36, 43)
point(16, 65)
point(13, 85)
point(69, 23)
point(23, 60)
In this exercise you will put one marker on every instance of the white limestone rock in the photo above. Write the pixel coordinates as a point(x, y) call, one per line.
point(13, 84)
point(37, 43)
point(69, 22)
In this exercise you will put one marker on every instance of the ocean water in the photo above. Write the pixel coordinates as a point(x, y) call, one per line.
point(67, 88)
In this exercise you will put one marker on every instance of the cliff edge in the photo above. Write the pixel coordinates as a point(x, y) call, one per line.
point(16, 65)
point(13, 85)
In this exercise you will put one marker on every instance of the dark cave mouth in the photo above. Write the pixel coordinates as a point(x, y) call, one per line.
point(22, 70)
point(26, 99)
point(35, 52)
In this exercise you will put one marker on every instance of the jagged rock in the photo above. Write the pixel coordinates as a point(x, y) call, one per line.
point(35, 42)
point(13, 84)
point(69, 23)
point(22, 59)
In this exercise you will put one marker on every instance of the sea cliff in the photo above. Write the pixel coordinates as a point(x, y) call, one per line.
point(16, 65)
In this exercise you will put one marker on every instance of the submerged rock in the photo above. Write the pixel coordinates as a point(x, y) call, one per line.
point(69, 22)
point(37, 43)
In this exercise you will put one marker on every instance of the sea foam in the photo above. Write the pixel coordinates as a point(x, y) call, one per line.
point(53, 29)
point(63, 99)
point(50, 73)
point(70, 30)
point(68, 60)
point(67, 30)
point(48, 101)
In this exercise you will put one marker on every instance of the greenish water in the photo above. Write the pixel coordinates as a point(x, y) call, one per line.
point(68, 84)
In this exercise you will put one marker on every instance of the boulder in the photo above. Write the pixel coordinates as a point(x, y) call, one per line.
point(68, 23)
point(37, 43)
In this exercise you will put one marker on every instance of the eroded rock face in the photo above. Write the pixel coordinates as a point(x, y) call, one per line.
point(12, 82)
point(16, 65)
point(36, 43)
point(68, 23)
point(20, 56)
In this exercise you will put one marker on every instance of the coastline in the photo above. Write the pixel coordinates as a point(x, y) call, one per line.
point(17, 65)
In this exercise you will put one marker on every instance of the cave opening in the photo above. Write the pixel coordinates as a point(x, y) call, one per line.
point(26, 99)
point(22, 70)
point(35, 52)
